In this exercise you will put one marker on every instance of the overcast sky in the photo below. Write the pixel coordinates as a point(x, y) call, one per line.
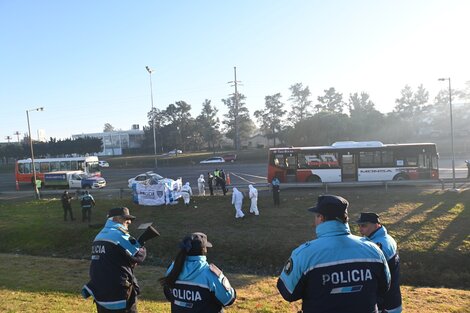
point(84, 61)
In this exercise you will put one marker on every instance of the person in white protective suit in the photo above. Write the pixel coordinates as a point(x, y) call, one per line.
point(237, 201)
point(186, 192)
point(201, 186)
point(253, 194)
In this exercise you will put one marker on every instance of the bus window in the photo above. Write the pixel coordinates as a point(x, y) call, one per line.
point(44, 167)
point(65, 165)
point(24, 168)
point(55, 166)
point(279, 160)
point(302, 161)
point(411, 161)
point(73, 165)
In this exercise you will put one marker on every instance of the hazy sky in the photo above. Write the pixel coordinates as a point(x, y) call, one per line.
point(84, 61)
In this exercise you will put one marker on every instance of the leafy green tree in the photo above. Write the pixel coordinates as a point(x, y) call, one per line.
point(237, 115)
point(108, 128)
point(322, 129)
point(364, 118)
point(411, 103)
point(209, 124)
point(301, 104)
point(270, 117)
point(331, 102)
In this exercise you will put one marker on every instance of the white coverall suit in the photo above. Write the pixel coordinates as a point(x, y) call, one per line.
point(201, 186)
point(186, 192)
point(237, 201)
point(253, 194)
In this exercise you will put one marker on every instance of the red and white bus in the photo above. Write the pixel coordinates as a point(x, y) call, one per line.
point(24, 170)
point(354, 161)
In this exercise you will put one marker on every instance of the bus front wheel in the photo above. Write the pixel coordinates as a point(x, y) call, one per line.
point(314, 179)
point(400, 177)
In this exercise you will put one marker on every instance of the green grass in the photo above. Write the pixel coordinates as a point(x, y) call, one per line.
point(44, 284)
point(431, 229)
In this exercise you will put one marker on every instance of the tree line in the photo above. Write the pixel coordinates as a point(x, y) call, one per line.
point(301, 121)
point(296, 121)
point(52, 148)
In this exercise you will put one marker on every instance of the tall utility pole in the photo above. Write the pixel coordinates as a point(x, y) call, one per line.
point(451, 132)
point(236, 98)
point(17, 134)
point(153, 117)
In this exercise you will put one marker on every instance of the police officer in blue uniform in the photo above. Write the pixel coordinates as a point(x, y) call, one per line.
point(115, 253)
point(191, 284)
point(371, 227)
point(337, 272)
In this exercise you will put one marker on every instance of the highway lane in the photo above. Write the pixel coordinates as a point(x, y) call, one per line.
point(244, 174)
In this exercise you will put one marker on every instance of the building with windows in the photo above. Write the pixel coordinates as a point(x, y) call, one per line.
point(114, 142)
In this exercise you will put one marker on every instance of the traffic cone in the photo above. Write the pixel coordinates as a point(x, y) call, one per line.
point(227, 179)
point(17, 186)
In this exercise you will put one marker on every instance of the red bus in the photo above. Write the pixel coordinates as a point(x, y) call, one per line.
point(354, 161)
point(24, 170)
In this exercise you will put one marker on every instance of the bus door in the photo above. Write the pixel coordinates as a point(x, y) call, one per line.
point(348, 167)
point(424, 166)
point(291, 168)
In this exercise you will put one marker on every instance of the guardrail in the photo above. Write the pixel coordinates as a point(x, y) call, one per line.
point(122, 193)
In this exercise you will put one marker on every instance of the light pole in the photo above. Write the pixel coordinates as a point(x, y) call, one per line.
point(451, 132)
point(153, 116)
point(36, 191)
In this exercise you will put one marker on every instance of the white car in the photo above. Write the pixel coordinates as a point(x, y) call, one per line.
point(213, 160)
point(103, 163)
point(143, 177)
point(175, 152)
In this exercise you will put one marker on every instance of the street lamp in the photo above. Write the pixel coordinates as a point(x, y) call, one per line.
point(36, 191)
point(451, 131)
point(153, 116)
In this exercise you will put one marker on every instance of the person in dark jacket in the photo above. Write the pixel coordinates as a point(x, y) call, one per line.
point(337, 272)
point(371, 227)
point(193, 285)
point(87, 202)
point(115, 253)
point(66, 200)
point(276, 184)
point(210, 182)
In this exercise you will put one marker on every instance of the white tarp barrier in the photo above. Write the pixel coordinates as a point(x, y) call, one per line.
point(166, 191)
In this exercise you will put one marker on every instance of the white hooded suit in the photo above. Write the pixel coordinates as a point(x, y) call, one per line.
point(186, 192)
point(237, 201)
point(201, 186)
point(253, 194)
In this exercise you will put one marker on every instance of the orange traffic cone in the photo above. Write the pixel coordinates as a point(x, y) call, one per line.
point(227, 179)
point(17, 186)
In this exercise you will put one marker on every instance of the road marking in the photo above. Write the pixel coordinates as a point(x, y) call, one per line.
point(246, 180)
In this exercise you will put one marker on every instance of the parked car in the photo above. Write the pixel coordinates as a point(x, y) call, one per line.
point(103, 163)
point(213, 160)
point(175, 152)
point(143, 177)
point(230, 157)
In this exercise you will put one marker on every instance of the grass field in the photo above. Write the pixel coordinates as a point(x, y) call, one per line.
point(45, 260)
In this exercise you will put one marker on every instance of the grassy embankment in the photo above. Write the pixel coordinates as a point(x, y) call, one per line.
point(431, 230)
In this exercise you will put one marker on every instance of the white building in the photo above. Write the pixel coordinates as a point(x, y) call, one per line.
point(114, 142)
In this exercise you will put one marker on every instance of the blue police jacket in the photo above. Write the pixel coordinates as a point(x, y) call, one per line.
point(392, 299)
point(338, 272)
point(200, 288)
point(114, 255)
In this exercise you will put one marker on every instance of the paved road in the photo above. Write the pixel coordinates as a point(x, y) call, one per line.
point(239, 173)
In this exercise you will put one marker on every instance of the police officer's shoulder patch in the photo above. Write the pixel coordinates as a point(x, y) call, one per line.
point(214, 269)
point(288, 266)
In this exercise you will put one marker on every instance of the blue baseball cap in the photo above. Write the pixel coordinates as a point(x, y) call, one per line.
point(331, 205)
